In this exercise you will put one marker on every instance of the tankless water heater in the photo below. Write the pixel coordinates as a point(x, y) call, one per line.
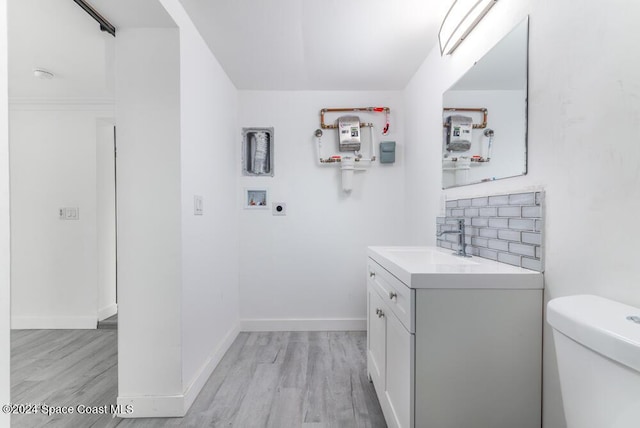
point(349, 133)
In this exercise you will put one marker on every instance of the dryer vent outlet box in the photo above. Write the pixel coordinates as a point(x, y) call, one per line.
point(349, 132)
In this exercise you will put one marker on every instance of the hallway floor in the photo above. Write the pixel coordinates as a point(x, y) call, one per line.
point(273, 379)
point(109, 323)
point(63, 368)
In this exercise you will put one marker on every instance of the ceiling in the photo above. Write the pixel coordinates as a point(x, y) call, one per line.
point(319, 44)
point(69, 45)
point(133, 13)
point(262, 45)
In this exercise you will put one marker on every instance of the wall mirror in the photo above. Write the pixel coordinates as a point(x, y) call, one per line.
point(485, 116)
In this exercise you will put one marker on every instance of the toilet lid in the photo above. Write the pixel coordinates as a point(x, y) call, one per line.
point(605, 326)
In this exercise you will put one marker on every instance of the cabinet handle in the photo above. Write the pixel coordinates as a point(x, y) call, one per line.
point(380, 312)
point(372, 274)
point(393, 295)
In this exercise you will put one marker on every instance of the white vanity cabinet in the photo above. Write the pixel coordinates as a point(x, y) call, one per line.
point(390, 345)
point(445, 351)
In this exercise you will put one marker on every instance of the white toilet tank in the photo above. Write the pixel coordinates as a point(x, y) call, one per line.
point(598, 349)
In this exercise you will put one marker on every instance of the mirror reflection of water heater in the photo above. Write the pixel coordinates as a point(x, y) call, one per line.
point(459, 133)
point(498, 82)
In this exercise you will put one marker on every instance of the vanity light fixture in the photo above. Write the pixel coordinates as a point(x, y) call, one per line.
point(460, 20)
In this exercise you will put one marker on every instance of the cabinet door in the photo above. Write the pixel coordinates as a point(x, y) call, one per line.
point(399, 372)
point(376, 338)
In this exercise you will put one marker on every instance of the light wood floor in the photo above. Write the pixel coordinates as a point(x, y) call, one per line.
point(63, 368)
point(280, 380)
point(109, 323)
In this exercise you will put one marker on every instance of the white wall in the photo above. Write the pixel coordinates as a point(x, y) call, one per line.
point(306, 270)
point(54, 262)
point(149, 220)
point(5, 302)
point(106, 218)
point(584, 109)
point(177, 272)
point(209, 135)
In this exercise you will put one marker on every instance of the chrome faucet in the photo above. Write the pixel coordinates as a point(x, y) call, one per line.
point(462, 246)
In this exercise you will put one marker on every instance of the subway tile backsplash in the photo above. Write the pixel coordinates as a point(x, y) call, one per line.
point(507, 228)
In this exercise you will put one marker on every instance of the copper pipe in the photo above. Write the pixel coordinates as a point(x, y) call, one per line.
point(485, 116)
point(350, 110)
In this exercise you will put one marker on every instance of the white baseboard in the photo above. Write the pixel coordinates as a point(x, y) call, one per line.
point(170, 406)
point(304, 324)
point(196, 385)
point(107, 311)
point(177, 405)
point(55, 323)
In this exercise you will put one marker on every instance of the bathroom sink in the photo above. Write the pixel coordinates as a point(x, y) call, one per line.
point(428, 256)
point(434, 267)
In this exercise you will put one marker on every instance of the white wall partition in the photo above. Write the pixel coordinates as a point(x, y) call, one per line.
point(5, 301)
point(149, 221)
point(177, 271)
point(209, 133)
point(106, 218)
point(583, 85)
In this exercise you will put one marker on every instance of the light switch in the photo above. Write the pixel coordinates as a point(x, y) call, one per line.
point(198, 207)
point(72, 213)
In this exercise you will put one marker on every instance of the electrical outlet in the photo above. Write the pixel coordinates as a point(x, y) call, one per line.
point(279, 208)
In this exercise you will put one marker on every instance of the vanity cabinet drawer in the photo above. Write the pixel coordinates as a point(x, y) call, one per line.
point(398, 296)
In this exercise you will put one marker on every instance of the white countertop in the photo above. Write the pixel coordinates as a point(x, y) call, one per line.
point(434, 267)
